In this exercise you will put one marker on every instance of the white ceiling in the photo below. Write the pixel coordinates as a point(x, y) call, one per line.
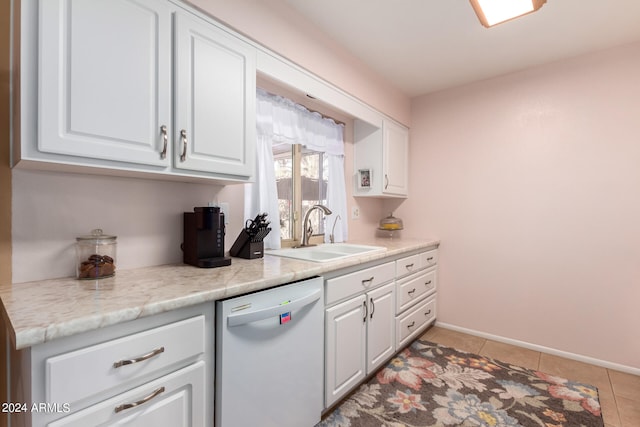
point(422, 46)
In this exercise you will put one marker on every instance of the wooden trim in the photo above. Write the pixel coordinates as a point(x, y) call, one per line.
point(6, 66)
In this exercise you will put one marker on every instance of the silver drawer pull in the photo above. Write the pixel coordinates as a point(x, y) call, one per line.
point(183, 138)
point(165, 140)
point(411, 325)
point(409, 266)
point(427, 283)
point(149, 355)
point(364, 307)
point(139, 402)
point(430, 258)
point(367, 281)
point(411, 291)
point(427, 313)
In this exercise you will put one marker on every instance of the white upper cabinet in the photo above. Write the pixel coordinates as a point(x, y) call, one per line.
point(215, 99)
point(135, 86)
point(382, 155)
point(105, 79)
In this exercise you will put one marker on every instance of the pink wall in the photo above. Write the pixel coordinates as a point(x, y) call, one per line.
point(532, 182)
point(280, 28)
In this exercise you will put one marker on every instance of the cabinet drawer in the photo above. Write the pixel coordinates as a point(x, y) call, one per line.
point(358, 282)
point(413, 288)
point(412, 323)
point(91, 370)
point(407, 265)
point(175, 400)
point(429, 258)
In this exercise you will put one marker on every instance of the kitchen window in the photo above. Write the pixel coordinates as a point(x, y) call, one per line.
point(300, 163)
point(302, 177)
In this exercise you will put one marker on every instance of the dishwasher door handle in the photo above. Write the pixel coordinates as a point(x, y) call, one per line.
point(276, 310)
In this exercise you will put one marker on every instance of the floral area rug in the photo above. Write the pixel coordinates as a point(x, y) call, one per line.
point(431, 385)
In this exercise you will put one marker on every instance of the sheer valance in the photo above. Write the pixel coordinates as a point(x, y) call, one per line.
point(281, 121)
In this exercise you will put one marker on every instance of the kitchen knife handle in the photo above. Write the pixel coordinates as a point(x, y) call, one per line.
point(183, 139)
point(165, 139)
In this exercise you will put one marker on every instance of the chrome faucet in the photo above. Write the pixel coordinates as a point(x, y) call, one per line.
point(307, 230)
point(332, 236)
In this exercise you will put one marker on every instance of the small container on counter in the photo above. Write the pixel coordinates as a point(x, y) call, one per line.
point(390, 223)
point(95, 255)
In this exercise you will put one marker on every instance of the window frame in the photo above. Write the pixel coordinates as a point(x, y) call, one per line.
point(296, 189)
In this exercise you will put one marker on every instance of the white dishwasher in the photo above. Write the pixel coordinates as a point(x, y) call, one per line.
point(269, 357)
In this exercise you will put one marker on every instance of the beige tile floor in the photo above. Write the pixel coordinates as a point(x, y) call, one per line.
point(619, 392)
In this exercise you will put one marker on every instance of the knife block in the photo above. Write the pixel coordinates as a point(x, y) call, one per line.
point(243, 247)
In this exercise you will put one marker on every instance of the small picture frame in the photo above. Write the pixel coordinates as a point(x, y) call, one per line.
point(364, 178)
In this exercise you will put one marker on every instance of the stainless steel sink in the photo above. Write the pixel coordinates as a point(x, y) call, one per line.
point(326, 252)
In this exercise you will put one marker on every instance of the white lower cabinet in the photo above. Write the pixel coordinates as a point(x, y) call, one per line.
point(153, 371)
point(372, 313)
point(345, 351)
point(176, 400)
point(416, 295)
point(359, 338)
point(380, 331)
point(411, 323)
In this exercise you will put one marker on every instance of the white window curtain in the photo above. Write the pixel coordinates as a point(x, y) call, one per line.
point(281, 121)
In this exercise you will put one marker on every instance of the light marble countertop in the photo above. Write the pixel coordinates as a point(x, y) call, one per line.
point(41, 311)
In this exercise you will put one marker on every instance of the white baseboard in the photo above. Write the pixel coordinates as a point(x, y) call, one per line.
point(580, 358)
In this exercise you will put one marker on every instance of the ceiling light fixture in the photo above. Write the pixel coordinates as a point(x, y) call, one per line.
point(492, 12)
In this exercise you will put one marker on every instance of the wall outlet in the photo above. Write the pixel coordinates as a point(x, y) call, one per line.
point(355, 212)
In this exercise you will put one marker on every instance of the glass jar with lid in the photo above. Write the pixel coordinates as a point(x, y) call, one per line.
point(390, 223)
point(95, 255)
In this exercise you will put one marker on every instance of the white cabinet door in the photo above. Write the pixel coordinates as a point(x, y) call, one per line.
point(105, 79)
point(395, 158)
point(383, 153)
point(175, 400)
point(345, 350)
point(381, 326)
point(215, 99)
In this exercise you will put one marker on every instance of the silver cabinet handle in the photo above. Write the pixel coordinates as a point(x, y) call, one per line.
point(373, 309)
point(427, 313)
point(183, 139)
point(386, 181)
point(139, 402)
point(367, 281)
point(142, 358)
point(409, 266)
point(430, 258)
point(165, 139)
point(411, 291)
point(427, 283)
point(411, 325)
point(364, 306)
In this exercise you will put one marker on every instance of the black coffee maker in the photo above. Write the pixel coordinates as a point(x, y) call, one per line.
point(203, 244)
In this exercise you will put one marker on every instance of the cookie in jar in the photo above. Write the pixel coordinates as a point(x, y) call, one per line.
point(95, 255)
